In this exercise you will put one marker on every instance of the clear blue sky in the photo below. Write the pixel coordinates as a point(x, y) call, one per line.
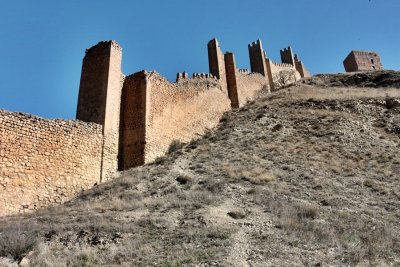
point(42, 42)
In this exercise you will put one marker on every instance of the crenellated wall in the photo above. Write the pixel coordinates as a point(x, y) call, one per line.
point(45, 161)
point(122, 122)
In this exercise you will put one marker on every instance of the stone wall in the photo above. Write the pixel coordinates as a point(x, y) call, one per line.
point(181, 111)
point(248, 86)
point(156, 112)
point(45, 161)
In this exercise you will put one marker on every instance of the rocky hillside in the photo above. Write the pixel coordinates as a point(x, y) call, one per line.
point(305, 176)
point(374, 79)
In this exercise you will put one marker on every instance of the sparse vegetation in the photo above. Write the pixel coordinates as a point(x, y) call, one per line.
point(284, 78)
point(17, 240)
point(304, 176)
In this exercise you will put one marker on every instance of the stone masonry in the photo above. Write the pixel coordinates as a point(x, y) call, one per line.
point(100, 97)
point(362, 61)
point(44, 162)
point(122, 122)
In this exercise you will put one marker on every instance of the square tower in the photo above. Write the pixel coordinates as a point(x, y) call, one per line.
point(287, 56)
point(100, 98)
point(216, 59)
point(362, 61)
point(257, 58)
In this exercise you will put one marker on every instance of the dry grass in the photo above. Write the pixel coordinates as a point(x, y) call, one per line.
point(17, 240)
point(305, 176)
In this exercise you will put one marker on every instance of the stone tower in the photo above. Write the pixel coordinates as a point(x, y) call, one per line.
point(134, 118)
point(100, 98)
point(257, 58)
point(287, 56)
point(216, 60)
point(230, 68)
point(362, 61)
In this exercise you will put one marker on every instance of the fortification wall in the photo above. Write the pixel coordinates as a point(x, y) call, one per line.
point(301, 69)
point(181, 111)
point(277, 67)
point(127, 122)
point(248, 86)
point(283, 74)
point(45, 161)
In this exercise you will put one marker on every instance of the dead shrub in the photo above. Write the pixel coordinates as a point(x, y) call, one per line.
point(17, 240)
point(256, 176)
point(293, 216)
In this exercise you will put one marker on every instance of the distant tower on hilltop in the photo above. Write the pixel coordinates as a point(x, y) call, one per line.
point(362, 61)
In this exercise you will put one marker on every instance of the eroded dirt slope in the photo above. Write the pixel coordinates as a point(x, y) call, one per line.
point(305, 176)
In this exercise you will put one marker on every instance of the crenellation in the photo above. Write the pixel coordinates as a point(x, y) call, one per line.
point(202, 75)
point(182, 76)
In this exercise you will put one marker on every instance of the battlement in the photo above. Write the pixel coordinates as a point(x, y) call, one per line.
point(365, 52)
point(243, 70)
point(288, 49)
point(182, 76)
point(202, 75)
point(282, 65)
point(256, 43)
point(103, 45)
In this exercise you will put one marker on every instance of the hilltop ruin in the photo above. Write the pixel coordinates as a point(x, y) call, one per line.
point(362, 61)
